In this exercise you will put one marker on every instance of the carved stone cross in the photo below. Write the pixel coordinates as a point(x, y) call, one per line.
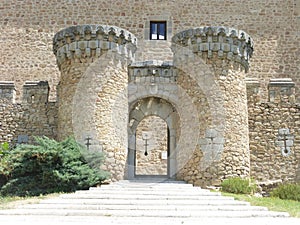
point(285, 141)
point(88, 143)
point(212, 146)
point(146, 136)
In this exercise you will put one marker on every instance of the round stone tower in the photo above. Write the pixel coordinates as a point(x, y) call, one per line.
point(92, 93)
point(216, 59)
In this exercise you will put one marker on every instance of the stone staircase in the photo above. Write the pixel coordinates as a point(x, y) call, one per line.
point(140, 202)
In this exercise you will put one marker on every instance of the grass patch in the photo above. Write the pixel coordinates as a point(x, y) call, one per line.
point(274, 204)
point(10, 202)
point(287, 191)
point(238, 185)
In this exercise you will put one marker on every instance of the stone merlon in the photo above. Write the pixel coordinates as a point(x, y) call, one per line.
point(88, 41)
point(230, 43)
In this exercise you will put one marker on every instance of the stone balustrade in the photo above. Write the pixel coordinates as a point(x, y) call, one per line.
point(230, 43)
point(82, 42)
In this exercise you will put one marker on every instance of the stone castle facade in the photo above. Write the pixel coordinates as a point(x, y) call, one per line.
point(194, 90)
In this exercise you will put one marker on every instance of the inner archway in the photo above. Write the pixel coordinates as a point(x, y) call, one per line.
point(166, 116)
point(151, 155)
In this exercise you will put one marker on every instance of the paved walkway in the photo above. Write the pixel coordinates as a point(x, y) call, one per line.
point(143, 202)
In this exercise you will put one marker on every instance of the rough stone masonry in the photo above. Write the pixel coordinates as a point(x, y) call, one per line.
point(226, 114)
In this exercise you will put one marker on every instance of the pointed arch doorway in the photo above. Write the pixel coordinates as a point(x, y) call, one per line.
point(155, 120)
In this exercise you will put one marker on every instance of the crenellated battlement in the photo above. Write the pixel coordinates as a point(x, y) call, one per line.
point(84, 42)
point(280, 90)
point(33, 116)
point(7, 90)
point(152, 72)
point(34, 92)
point(253, 89)
point(227, 43)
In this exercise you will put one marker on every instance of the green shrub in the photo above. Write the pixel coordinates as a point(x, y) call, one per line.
point(287, 191)
point(48, 167)
point(4, 148)
point(238, 185)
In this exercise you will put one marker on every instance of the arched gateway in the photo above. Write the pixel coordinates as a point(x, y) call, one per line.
point(139, 110)
point(104, 94)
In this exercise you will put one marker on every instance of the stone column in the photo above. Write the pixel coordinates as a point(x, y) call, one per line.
point(225, 52)
point(92, 93)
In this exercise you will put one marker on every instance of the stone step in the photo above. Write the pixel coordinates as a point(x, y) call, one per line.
point(148, 192)
point(142, 202)
point(146, 183)
point(145, 207)
point(165, 190)
point(145, 213)
point(147, 197)
point(143, 188)
point(108, 220)
point(149, 186)
point(183, 190)
point(143, 181)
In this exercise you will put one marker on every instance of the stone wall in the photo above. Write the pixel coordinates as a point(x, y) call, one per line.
point(27, 56)
point(272, 160)
point(34, 116)
point(156, 131)
point(27, 28)
point(9, 120)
